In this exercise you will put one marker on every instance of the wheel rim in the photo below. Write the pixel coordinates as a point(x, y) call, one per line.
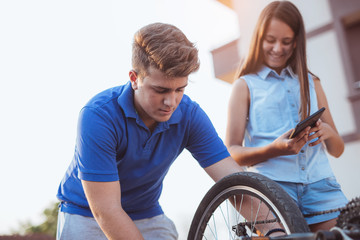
point(223, 220)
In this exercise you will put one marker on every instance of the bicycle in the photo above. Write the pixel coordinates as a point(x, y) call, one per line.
point(248, 205)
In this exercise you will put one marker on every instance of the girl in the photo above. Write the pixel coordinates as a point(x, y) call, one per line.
point(274, 92)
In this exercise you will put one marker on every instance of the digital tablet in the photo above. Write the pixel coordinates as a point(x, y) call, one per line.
point(309, 121)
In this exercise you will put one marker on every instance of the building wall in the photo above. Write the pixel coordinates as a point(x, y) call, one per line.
point(325, 59)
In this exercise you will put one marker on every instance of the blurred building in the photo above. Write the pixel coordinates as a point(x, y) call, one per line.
point(333, 49)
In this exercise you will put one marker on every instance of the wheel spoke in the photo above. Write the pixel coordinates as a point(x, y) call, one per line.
point(226, 223)
point(257, 213)
point(235, 208)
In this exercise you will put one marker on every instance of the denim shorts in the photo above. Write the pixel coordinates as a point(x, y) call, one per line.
point(72, 226)
point(322, 195)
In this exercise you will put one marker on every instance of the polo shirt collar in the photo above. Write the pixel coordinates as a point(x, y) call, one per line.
point(126, 102)
point(176, 116)
point(174, 119)
point(265, 71)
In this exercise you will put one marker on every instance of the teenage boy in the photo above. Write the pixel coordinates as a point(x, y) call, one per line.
point(128, 136)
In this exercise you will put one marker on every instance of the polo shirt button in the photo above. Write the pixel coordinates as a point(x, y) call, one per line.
point(293, 105)
point(302, 151)
point(288, 90)
point(303, 168)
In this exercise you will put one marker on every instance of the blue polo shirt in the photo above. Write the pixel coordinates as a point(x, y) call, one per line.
point(113, 144)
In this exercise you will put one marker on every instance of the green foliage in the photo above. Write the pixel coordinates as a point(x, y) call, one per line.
point(48, 226)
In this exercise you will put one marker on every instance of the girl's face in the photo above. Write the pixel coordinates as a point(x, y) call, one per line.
point(278, 45)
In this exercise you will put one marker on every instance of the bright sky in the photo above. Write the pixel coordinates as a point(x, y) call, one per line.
point(55, 55)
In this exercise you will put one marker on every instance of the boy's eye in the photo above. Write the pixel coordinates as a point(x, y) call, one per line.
point(160, 90)
point(164, 90)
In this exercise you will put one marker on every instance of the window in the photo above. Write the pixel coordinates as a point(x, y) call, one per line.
point(347, 27)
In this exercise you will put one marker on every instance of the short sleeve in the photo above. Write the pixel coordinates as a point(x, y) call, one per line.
point(96, 146)
point(204, 143)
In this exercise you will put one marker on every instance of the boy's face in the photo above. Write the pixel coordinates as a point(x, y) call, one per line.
point(155, 96)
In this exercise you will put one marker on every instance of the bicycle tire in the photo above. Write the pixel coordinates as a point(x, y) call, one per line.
point(250, 185)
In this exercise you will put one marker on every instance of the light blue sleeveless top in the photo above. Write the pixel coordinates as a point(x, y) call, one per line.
point(274, 109)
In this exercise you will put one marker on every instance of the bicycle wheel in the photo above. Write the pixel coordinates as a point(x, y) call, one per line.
point(246, 204)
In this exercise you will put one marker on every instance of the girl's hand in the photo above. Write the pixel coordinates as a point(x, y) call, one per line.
point(322, 131)
point(287, 146)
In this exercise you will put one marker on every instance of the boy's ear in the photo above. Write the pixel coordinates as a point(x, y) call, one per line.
point(133, 79)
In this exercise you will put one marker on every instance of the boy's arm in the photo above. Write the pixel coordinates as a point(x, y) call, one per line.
point(105, 203)
point(223, 168)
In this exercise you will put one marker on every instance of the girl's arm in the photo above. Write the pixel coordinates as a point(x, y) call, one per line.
point(325, 128)
point(237, 118)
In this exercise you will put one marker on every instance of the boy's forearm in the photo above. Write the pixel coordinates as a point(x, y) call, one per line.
point(118, 225)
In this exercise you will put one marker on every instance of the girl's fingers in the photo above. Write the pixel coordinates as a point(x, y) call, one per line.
point(314, 135)
point(303, 135)
point(315, 142)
